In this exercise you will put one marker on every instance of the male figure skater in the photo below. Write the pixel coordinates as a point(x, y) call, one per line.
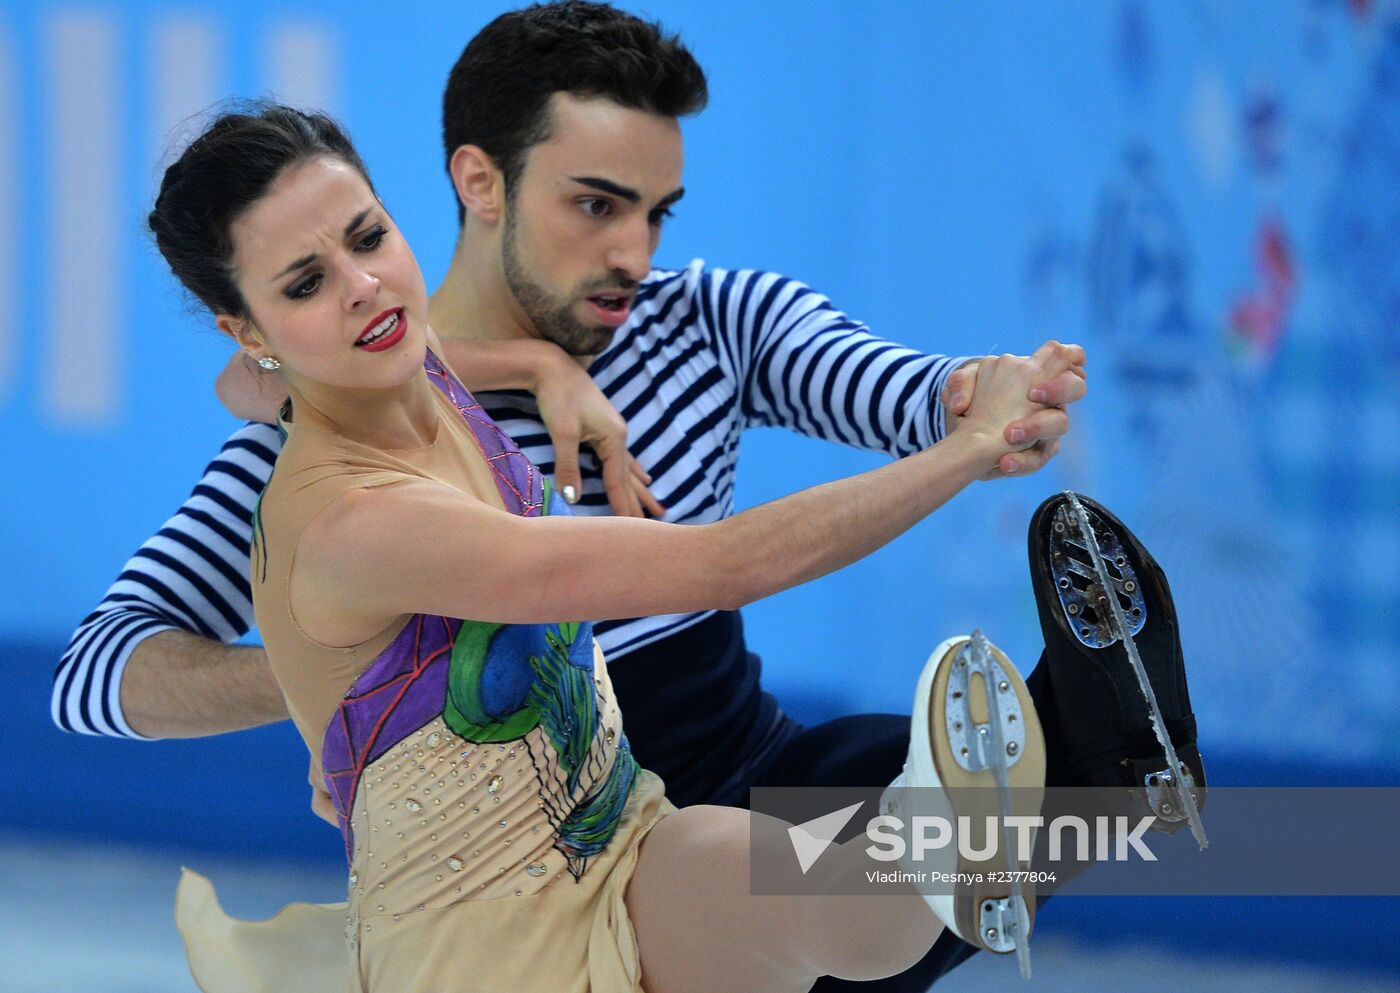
point(562, 142)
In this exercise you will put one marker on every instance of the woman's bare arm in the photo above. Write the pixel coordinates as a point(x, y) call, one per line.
point(574, 410)
point(421, 547)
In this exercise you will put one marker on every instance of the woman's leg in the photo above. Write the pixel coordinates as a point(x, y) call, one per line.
point(699, 928)
point(974, 735)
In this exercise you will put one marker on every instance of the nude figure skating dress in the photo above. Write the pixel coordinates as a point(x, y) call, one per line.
point(490, 806)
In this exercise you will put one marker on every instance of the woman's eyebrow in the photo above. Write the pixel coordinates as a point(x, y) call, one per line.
point(306, 260)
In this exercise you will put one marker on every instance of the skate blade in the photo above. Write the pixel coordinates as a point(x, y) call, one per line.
point(1080, 588)
point(996, 744)
point(1002, 924)
point(1176, 783)
point(1162, 794)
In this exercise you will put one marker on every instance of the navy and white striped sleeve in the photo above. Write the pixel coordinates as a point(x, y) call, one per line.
point(192, 575)
point(806, 366)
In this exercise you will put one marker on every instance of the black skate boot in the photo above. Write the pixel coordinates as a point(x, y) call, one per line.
point(1122, 712)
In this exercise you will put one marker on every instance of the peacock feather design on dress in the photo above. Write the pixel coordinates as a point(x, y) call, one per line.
point(494, 683)
point(505, 680)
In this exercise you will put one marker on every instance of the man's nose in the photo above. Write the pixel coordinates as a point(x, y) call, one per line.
point(630, 253)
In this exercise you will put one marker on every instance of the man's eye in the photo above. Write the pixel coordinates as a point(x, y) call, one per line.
point(658, 217)
point(305, 287)
point(595, 206)
point(371, 240)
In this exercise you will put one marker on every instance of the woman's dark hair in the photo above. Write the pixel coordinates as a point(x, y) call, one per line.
point(222, 173)
point(497, 95)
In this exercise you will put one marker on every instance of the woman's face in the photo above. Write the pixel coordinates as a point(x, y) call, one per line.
point(332, 289)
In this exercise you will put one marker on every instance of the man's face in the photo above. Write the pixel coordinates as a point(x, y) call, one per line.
point(585, 216)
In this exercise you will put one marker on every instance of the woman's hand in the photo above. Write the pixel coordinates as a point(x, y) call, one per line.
point(572, 407)
point(1042, 430)
point(1028, 430)
point(575, 411)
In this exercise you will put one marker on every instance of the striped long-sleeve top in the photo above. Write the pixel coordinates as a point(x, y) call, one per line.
point(705, 354)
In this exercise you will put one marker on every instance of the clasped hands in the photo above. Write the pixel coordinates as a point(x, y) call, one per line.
point(1057, 378)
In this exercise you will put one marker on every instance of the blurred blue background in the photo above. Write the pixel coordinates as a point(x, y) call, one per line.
point(1206, 194)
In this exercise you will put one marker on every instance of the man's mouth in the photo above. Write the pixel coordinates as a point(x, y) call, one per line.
point(383, 332)
point(611, 308)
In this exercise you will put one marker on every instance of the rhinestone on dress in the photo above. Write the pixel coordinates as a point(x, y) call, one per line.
point(610, 736)
point(433, 739)
point(495, 785)
point(455, 864)
point(536, 869)
point(412, 805)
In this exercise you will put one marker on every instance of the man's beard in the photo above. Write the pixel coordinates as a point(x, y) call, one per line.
point(553, 320)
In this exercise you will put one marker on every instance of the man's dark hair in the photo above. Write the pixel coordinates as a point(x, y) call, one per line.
point(497, 95)
point(220, 175)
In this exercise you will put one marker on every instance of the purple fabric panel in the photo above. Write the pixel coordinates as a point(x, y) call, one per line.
point(402, 678)
point(338, 750)
point(517, 479)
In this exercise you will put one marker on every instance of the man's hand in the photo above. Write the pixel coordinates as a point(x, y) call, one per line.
point(321, 804)
point(1037, 435)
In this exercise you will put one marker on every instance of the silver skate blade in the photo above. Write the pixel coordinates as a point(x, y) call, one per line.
point(1077, 584)
point(1003, 924)
point(1163, 794)
point(1186, 801)
point(975, 746)
point(1001, 754)
point(1023, 937)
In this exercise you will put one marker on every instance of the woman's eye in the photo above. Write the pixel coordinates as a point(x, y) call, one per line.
point(305, 287)
point(595, 207)
point(371, 240)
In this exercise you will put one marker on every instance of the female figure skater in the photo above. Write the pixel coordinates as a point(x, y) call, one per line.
point(425, 600)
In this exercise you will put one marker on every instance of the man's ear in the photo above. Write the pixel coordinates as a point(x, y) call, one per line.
point(479, 184)
point(244, 332)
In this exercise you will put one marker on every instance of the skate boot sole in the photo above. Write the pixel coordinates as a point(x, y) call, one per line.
point(976, 734)
point(1106, 600)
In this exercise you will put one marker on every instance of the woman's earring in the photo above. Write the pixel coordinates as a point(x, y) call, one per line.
point(269, 363)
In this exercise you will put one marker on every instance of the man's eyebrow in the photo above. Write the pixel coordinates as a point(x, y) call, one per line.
point(306, 260)
point(626, 192)
point(608, 186)
point(670, 199)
